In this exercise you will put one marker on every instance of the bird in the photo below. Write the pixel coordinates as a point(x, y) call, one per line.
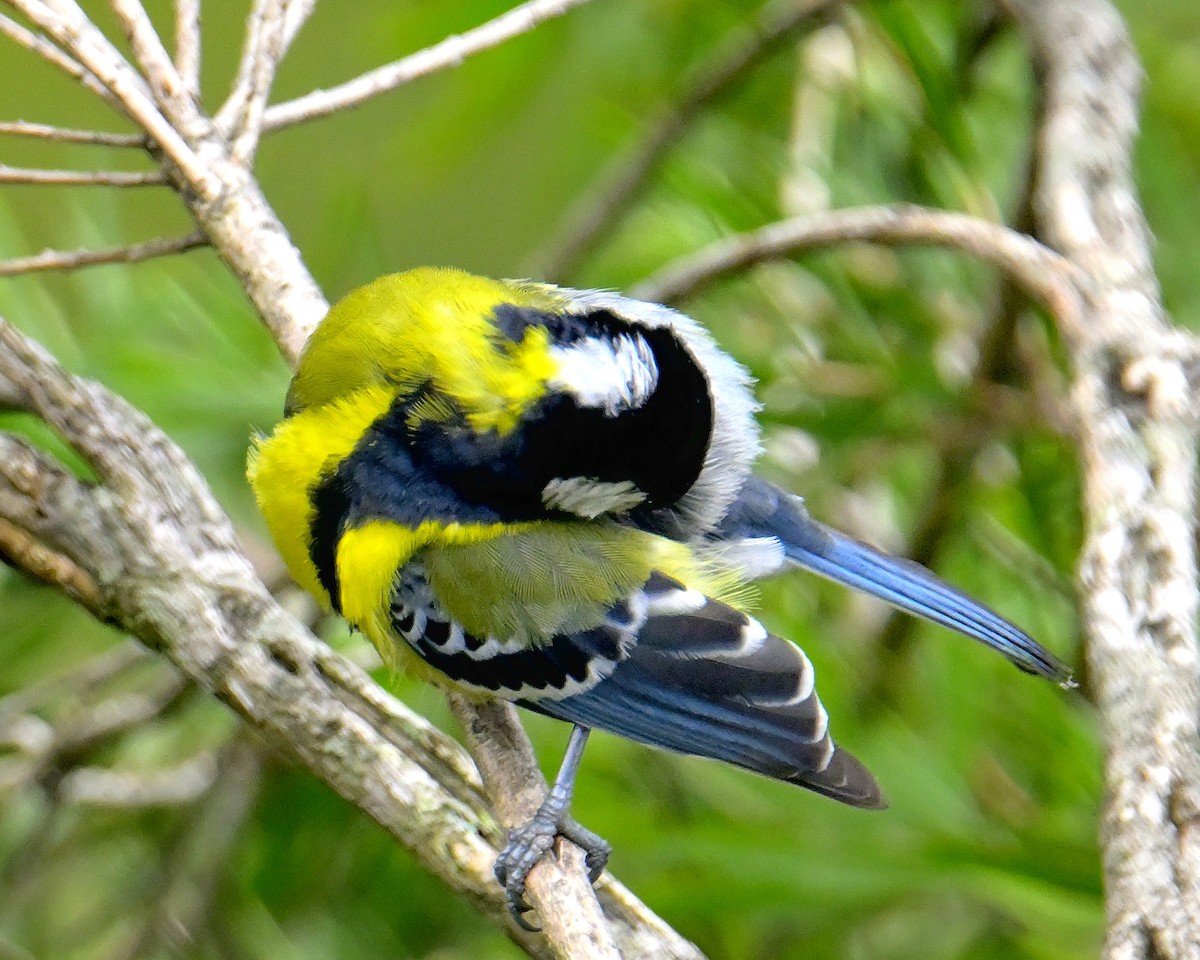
point(546, 495)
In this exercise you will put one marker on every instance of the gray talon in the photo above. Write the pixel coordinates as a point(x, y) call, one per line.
point(532, 840)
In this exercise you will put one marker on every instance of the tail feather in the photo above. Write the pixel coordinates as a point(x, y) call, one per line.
point(764, 511)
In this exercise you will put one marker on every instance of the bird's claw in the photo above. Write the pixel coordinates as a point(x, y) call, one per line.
point(529, 843)
point(596, 849)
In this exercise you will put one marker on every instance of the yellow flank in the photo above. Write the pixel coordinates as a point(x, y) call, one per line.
point(522, 582)
point(369, 555)
point(286, 466)
point(552, 577)
point(431, 325)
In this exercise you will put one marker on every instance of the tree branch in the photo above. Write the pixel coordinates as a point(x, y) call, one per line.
point(72, 260)
point(1137, 432)
point(240, 119)
point(83, 41)
point(510, 773)
point(450, 52)
point(1049, 279)
point(54, 56)
point(42, 131)
point(149, 53)
point(188, 45)
point(81, 178)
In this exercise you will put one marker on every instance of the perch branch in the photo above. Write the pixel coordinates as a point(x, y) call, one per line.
point(510, 773)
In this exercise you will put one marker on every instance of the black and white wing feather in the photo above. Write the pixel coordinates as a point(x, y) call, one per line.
point(669, 668)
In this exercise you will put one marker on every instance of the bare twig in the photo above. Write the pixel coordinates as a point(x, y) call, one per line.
point(149, 53)
point(77, 681)
point(1137, 432)
point(188, 45)
point(42, 131)
point(1048, 278)
point(72, 260)
point(448, 53)
point(296, 14)
point(603, 205)
point(55, 57)
point(172, 786)
point(86, 178)
point(240, 117)
point(84, 42)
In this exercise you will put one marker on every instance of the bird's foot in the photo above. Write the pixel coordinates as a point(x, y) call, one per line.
point(531, 841)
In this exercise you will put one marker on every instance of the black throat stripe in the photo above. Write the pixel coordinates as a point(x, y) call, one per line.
point(378, 481)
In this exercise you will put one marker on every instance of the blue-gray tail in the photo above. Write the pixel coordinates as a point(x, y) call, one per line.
point(764, 511)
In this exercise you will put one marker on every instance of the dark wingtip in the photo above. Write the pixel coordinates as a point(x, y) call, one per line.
point(846, 780)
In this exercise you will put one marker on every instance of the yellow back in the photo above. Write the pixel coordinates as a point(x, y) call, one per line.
point(430, 326)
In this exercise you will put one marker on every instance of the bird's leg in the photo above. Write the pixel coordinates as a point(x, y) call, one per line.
point(532, 840)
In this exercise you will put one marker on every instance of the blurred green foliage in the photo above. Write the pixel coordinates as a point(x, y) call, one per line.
point(864, 358)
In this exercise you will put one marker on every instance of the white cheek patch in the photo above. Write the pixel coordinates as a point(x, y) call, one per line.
point(611, 373)
point(590, 498)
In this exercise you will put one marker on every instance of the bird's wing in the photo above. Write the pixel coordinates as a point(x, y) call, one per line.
point(763, 512)
point(668, 667)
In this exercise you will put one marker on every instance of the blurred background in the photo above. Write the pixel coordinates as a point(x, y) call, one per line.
point(909, 395)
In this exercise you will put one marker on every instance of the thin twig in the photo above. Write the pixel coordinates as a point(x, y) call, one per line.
point(620, 185)
point(81, 178)
point(264, 48)
point(188, 45)
point(74, 259)
point(173, 786)
point(450, 52)
point(55, 57)
point(43, 131)
point(150, 54)
point(77, 681)
point(1051, 280)
point(296, 14)
point(79, 37)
